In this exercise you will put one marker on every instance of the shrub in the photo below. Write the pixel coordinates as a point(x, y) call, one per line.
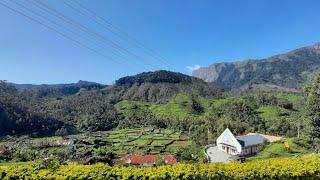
point(287, 168)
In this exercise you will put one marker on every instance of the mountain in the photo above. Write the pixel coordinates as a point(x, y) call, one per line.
point(79, 84)
point(56, 90)
point(161, 86)
point(285, 72)
point(50, 108)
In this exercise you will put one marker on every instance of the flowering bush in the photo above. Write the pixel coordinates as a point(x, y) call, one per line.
point(307, 167)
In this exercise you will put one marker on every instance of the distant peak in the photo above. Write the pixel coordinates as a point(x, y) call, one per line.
point(82, 82)
point(316, 46)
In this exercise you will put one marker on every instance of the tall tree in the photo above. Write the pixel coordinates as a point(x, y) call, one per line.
point(313, 107)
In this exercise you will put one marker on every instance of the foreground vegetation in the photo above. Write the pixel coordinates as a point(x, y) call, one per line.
point(287, 168)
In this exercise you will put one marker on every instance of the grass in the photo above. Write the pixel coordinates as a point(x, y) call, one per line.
point(175, 135)
point(275, 112)
point(293, 98)
point(277, 149)
point(132, 108)
point(147, 136)
point(177, 144)
point(219, 102)
point(167, 131)
point(139, 142)
point(272, 114)
point(171, 110)
point(161, 142)
point(115, 136)
point(268, 112)
point(177, 108)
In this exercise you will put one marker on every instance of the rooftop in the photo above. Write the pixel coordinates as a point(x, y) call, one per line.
point(250, 140)
point(147, 159)
point(269, 138)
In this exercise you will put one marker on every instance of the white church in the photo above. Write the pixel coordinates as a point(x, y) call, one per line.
point(229, 147)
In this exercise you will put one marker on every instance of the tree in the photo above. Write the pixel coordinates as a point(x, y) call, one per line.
point(313, 109)
point(61, 132)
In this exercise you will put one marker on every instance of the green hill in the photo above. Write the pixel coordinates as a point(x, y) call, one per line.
point(85, 106)
point(161, 86)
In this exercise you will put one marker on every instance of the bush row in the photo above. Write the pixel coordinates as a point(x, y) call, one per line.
point(307, 167)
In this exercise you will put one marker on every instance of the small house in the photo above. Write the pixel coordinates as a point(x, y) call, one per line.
point(241, 146)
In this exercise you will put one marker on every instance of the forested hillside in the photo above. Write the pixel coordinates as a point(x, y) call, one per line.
point(89, 106)
point(160, 99)
point(55, 90)
point(18, 116)
point(161, 86)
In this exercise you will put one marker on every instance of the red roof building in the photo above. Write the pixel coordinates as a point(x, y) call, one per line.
point(147, 160)
point(3, 150)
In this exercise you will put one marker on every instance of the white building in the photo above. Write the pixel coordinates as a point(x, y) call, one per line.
point(241, 145)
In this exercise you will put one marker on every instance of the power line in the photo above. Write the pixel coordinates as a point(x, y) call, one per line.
point(61, 26)
point(70, 21)
point(122, 34)
point(56, 31)
point(88, 30)
point(52, 22)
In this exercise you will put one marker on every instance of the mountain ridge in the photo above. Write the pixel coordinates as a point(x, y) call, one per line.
point(285, 72)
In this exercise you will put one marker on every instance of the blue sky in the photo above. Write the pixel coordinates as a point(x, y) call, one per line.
point(187, 33)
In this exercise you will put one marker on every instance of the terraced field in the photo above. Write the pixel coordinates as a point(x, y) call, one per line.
point(122, 141)
point(147, 140)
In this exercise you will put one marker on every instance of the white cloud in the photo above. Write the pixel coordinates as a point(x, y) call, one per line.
point(193, 68)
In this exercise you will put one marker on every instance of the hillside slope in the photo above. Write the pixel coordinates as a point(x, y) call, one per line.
point(158, 99)
point(161, 86)
point(284, 72)
point(18, 116)
point(90, 106)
